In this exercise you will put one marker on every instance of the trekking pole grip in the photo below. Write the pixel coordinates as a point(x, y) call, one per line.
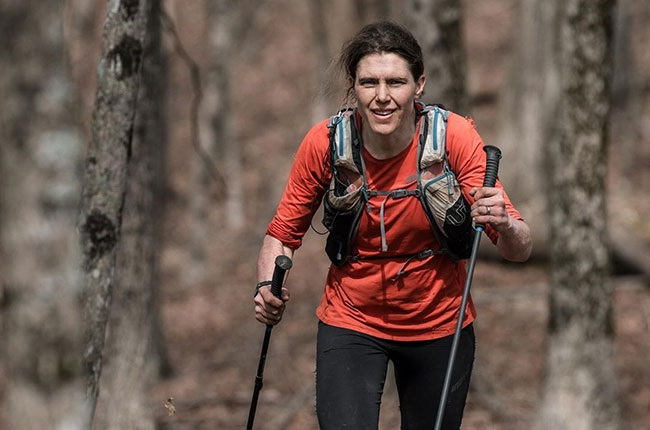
point(282, 264)
point(493, 155)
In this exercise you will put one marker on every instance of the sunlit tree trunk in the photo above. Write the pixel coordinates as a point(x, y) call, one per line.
point(40, 282)
point(580, 390)
point(131, 351)
point(104, 183)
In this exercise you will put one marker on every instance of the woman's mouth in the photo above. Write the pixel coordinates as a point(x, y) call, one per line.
point(383, 113)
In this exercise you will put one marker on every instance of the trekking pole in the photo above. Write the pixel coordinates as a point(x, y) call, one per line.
point(282, 264)
point(493, 155)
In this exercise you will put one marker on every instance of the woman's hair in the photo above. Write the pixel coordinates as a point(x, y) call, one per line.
point(382, 36)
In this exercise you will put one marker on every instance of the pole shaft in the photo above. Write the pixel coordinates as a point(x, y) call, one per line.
point(459, 327)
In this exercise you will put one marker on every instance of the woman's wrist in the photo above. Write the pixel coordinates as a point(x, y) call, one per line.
point(260, 285)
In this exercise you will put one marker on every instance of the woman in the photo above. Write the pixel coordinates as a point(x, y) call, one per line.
point(381, 306)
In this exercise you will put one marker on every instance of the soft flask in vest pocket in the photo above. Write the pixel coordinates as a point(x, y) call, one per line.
point(342, 224)
point(447, 208)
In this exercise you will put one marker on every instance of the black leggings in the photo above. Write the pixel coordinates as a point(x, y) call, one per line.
point(351, 370)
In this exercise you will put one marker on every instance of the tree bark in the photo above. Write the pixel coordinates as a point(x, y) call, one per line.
point(437, 25)
point(132, 345)
point(580, 388)
point(40, 161)
point(104, 182)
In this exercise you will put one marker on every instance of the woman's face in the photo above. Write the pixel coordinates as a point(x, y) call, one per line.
point(385, 91)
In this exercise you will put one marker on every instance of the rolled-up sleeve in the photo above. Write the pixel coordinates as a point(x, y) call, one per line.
point(308, 179)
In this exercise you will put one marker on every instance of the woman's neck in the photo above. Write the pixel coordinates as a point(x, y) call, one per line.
point(386, 146)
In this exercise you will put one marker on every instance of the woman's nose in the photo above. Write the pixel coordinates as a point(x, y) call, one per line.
point(383, 94)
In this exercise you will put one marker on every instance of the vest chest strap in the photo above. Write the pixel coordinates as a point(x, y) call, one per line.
point(394, 194)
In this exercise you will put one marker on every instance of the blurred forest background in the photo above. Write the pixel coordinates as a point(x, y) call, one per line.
point(229, 88)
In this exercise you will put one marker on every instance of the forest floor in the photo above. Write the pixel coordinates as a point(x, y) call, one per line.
point(214, 348)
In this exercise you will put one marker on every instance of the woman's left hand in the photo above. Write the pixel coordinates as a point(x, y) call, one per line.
point(489, 207)
point(515, 241)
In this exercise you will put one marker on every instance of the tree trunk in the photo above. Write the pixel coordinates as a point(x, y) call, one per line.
point(371, 10)
point(104, 183)
point(223, 27)
point(132, 360)
point(322, 59)
point(580, 389)
point(529, 112)
point(40, 158)
point(437, 25)
point(226, 23)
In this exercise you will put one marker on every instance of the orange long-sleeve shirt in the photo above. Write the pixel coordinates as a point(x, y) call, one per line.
point(367, 295)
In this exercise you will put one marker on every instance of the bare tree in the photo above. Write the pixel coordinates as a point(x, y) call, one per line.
point(529, 110)
point(104, 184)
point(437, 24)
point(580, 389)
point(40, 160)
point(132, 345)
point(228, 23)
point(218, 175)
point(217, 133)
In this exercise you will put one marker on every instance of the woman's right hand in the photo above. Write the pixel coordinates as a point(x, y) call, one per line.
point(268, 308)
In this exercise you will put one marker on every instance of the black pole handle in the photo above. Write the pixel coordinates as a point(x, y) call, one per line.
point(282, 264)
point(492, 157)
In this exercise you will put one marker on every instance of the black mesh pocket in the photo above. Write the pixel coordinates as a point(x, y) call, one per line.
point(340, 225)
point(458, 229)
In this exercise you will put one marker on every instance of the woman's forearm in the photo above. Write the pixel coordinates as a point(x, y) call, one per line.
point(515, 242)
point(271, 248)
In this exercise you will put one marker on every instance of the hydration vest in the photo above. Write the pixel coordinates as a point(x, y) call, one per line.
point(437, 189)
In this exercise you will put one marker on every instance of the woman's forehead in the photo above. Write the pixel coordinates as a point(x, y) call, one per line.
point(383, 62)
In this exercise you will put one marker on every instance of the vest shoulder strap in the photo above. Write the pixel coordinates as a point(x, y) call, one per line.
point(437, 187)
point(433, 135)
point(345, 144)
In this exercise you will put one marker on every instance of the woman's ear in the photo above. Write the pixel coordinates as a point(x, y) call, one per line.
point(419, 90)
point(351, 97)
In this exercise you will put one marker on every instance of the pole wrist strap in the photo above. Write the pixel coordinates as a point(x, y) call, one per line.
point(260, 285)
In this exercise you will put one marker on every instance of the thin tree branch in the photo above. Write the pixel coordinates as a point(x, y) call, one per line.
point(195, 77)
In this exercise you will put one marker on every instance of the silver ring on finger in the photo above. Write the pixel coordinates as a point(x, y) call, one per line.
point(488, 210)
